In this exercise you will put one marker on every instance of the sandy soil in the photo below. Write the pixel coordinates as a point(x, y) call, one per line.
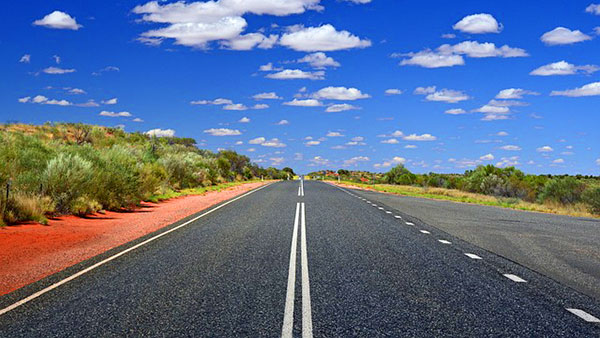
point(30, 252)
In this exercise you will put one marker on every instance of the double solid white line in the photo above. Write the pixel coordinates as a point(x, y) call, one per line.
point(301, 188)
point(288, 315)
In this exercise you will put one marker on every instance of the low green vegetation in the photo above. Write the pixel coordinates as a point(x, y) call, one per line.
point(489, 185)
point(81, 169)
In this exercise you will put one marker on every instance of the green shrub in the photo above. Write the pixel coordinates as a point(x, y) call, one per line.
point(67, 177)
point(592, 198)
point(23, 207)
point(566, 190)
point(84, 205)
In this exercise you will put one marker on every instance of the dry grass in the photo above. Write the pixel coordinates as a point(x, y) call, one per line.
point(579, 210)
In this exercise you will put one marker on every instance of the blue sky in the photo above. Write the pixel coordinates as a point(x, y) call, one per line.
point(439, 86)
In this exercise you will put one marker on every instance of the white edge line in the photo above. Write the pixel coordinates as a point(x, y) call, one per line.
point(117, 255)
point(584, 315)
point(306, 311)
point(288, 313)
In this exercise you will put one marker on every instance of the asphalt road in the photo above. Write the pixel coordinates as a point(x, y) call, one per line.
point(291, 261)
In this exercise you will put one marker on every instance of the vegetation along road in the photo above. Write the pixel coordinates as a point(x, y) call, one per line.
point(309, 258)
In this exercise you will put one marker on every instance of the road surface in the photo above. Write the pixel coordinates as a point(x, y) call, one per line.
point(300, 259)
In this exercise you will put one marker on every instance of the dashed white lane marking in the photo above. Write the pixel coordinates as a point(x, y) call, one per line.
point(380, 208)
point(288, 314)
point(584, 315)
point(472, 256)
point(398, 216)
point(425, 231)
point(306, 312)
point(117, 255)
point(409, 223)
point(368, 201)
point(515, 278)
point(443, 241)
point(388, 212)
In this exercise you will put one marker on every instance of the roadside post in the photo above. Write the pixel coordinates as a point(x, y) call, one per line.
point(8, 183)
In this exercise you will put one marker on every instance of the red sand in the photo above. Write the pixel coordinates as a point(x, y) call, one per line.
point(30, 252)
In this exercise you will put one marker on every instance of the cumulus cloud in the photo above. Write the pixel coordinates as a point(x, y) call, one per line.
point(443, 95)
point(304, 103)
point(222, 132)
point(57, 70)
point(260, 106)
point(41, 99)
point(266, 96)
point(312, 143)
point(514, 93)
point(564, 68)
point(25, 58)
point(598, 161)
point(390, 141)
point(591, 89)
point(393, 91)
point(294, 74)
point(161, 132)
point(323, 38)
point(544, 149)
point(456, 111)
point(508, 162)
point(244, 120)
point(110, 101)
point(336, 108)
point(563, 36)
point(478, 24)
point(283, 123)
point(115, 114)
point(558, 161)
point(487, 157)
point(334, 134)
point(510, 147)
point(105, 70)
point(217, 102)
point(319, 60)
point(354, 161)
point(502, 133)
point(593, 9)
point(340, 94)
point(394, 161)
point(431, 59)
point(250, 41)
point(235, 106)
point(273, 143)
point(76, 91)
point(415, 137)
point(258, 140)
point(58, 20)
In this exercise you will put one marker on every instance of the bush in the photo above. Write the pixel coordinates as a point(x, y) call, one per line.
point(566, 190)
point(591, 197)
point(23, 207)
point(67, 178)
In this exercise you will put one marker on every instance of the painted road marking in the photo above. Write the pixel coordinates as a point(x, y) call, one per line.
point(398, 216)
point(584, 315)
point(301, 188)
point(443, 241)
point(514, 278)
point(473, 256)
point(288, 314)
point(306, 312)
point(117, 255)
point(388, 212)
point(425, 231)
point(380, 208)
point(409, 223)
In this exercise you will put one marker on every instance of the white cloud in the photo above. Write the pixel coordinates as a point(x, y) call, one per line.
point(76, 91)
point(598, 161)
point(312, 143)
point(394, 161)
point(487, 157)
point(393, 91)
point(508, 162)
point(390, 141)
point(476, 49)
point(58, 20)
point(564, 68)
point(219, 101)
point(283, 123)
point(304, 103)
point(294, 74)
point(161, 132)
point(340, 93)
point(235, 106)
point(502, 133)
point(106, 69)
point(593, 8)
point(24, 99)
point(266, 96)
point(558, 161)
point(269, 67)
point(258, 140)
point(89, 103)
point(334, 134)
point(510, 147)
point(57, 70)
point(448, 36)
point(318, 160)
point(25, 58)
point(277, 160)
point(260, 106)
point(563, 36)
point(431, 59)
point(336, 108)
point(354, 161)
point(495, 117)
point(478, 24)
point(514, 93)
point(590, 89)
point(456, 111)
point(115, 114)
point(424, 90)
point(250, 41)
point(424, 137)
point(489, 109)
point(41, 99)
point(110, 101)
point(323, 38)
point(56, 59)
point(273, 143)
point(137, 119)
point(410, 146)
point(544, 149)
point(244, 120)
point(319, 60)
point(447, 95)
point(222, 132)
